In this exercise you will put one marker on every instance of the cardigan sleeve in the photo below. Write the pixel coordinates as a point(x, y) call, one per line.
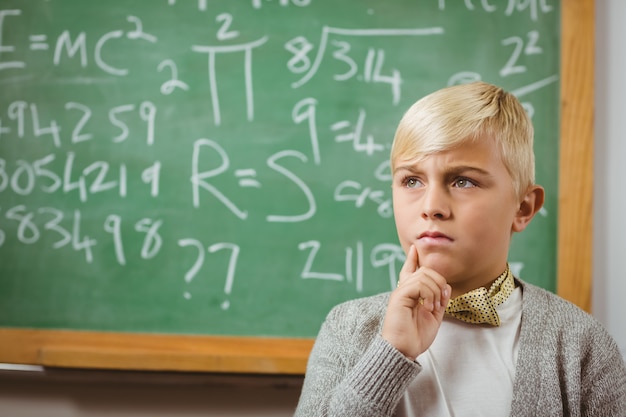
point(603, 382)
point(352, 371)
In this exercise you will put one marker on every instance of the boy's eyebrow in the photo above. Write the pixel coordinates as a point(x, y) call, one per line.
point(465, 168)
point(455, 170)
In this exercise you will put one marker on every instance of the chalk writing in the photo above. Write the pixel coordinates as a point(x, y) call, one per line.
point(227, 162)
point(534, 7)
point(212, 52)
point(341, 53)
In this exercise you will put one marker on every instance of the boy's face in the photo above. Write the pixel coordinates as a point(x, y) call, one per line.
point(458, 208)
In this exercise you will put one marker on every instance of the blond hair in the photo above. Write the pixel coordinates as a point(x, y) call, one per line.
point(476, 111)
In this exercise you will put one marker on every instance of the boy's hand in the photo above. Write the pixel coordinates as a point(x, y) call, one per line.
point(415, 308)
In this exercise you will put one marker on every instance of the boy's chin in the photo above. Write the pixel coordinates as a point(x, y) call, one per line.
point(444, 265)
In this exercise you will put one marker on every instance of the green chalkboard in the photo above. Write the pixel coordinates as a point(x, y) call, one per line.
point(221, 167)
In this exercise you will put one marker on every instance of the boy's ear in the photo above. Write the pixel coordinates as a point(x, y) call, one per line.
point(530, 205)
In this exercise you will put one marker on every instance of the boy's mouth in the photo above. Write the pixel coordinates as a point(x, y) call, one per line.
point(434, 236)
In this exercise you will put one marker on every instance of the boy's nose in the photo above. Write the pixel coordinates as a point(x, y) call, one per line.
point(435, 204)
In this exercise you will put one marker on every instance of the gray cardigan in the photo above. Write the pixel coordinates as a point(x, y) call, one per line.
point(568, 365)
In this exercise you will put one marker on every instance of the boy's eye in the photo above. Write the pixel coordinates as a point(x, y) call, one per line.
point(411, 182)
point(464, 183)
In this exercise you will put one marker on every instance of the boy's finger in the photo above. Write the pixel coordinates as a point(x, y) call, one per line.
point(445, 296)
point(411, 263)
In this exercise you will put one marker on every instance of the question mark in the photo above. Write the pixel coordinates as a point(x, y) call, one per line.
point(232, 263)
point(189, 276)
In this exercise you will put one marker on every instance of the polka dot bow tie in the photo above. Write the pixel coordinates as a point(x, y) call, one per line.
point(479, 305)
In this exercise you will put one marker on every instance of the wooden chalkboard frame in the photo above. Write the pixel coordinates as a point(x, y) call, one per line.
point(101, 350)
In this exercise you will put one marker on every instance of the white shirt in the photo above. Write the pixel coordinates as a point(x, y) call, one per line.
point(469, 369)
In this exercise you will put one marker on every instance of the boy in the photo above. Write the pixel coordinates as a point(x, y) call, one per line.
point(463, 182)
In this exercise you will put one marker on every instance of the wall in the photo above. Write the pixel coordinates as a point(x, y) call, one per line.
point(80, 394)
point(610, 151)
point(67, 393)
